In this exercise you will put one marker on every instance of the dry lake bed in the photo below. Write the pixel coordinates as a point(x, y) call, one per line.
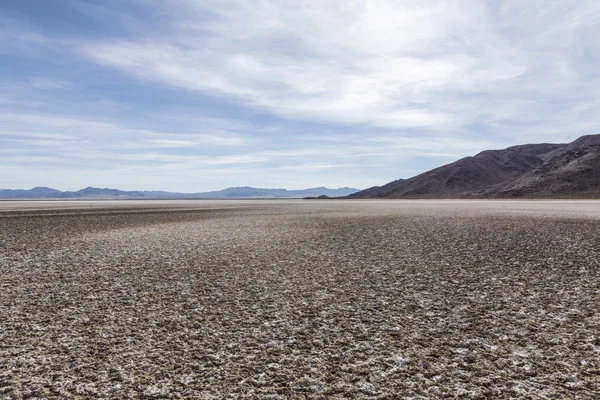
point(300, 299)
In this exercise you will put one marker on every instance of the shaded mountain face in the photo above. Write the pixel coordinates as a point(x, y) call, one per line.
point(573, 173)
point(377, 191)
point(532, 170)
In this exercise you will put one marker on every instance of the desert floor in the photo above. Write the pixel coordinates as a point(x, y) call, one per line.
point(300, 299)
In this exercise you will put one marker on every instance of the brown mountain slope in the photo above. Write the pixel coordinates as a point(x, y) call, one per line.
point(468, 176)
point(377, 191)
point(573, 173)
point(531, 171)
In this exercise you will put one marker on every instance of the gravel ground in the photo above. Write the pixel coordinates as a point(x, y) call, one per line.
point(300, 299)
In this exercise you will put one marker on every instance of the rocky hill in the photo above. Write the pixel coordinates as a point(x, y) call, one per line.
point(569, 170)
point(377, 191)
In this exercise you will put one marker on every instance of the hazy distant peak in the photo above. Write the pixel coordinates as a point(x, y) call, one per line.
point(231, 192)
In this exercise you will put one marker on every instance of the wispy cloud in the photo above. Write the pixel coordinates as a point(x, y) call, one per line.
point(41, 135)
point(67, 128)
point(433, 65)
point(379, 63)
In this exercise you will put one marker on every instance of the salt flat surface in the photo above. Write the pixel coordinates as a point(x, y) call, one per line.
point(300, 299)
point(550, 208)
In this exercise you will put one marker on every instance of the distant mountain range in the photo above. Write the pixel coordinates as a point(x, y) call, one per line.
point(544, 170)
point(569, 170)
point(244, 192)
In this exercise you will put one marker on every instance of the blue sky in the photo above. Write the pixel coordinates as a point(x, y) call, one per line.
point(195, 95)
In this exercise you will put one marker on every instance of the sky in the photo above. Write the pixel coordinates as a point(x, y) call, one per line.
point(197, 95)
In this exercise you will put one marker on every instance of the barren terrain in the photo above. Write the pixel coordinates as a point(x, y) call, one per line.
point(300, 299)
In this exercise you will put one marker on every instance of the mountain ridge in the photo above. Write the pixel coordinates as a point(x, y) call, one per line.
point(41, 192)
point(544, 170)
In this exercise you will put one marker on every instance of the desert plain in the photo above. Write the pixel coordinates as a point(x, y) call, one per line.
point(300, 299)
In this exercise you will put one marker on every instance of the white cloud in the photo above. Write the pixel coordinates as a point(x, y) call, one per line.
point(312, 167)
point(172, 143)
point(371, 62)
point(41, 135)
point(436, 146)
point(53, 130)
point(411, 64)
